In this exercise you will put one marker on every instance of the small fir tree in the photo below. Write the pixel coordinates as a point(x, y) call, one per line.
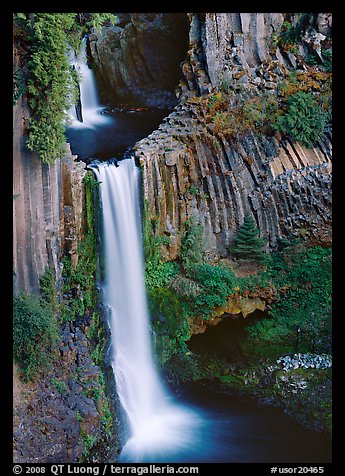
point(247, 244)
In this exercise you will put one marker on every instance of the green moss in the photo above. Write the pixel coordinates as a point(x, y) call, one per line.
point(169, 323)
point(158, 272)
point(79, 286)
point(49, 290)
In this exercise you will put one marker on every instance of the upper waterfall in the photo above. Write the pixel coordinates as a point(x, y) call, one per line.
point(91, 112)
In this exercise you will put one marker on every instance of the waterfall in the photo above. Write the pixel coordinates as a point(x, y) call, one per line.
point(91, 111)
point(157, 426)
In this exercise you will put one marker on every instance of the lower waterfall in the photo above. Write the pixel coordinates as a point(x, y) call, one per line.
point(157, 426)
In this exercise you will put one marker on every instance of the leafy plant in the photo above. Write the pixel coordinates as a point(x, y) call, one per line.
point(300, 320)
point(327, 57)
point(259, 112)
point(48, 288)
point(88, 440)
point(60, 385)
point(192, 248)
point(157, 271)
point(169, 322)
point(193, 190)
point(35, 334)
point(305, 118)
point(18, 85)
point(80, 280)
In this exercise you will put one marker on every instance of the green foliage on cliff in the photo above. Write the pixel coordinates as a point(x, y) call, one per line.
point(299, 106)
point(192, 248)
point(79, 281)
point(48, 289)
point(299, 315)
point(51, 84)
point(18, 85)
point(169, 322)
point(300, 321)
point(305, 118)
point(35, 334)
point(157, 271)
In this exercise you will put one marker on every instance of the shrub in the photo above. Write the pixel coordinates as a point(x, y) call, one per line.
point(48, 288)
point(60, 385)
point(192, 248)
point(216, 283)
point(34, 334)
point(157, 271)
point(305, 118)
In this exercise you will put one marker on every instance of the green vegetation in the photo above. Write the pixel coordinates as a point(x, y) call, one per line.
point(88, 440)
point(305, 118)
point(300, 320)
point(18, 85)
point(35, 334)
point(291, 33)
point(48, 289)
point(51, 83)
point(193, 190)
point(157, 271)
point(192, 249)
point(79, 279)
point(247, 244)
point(59, 384)
point(299, 106)
point(297, 277)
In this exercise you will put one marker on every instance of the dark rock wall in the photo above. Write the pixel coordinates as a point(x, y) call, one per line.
point(136, 61)
point(36, 209)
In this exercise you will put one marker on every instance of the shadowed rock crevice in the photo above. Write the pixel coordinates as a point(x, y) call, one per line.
point(137, 61)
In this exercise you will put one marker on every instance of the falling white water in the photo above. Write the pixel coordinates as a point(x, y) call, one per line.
point(91, 109)
point(157, 426)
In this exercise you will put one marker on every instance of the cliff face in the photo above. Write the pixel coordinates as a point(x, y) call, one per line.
point(135, 61)
point(48, 206)
point(36, 210)
point(47, 209)
point(191, 170)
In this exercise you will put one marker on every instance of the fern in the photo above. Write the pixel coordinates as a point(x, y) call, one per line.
point(305, 118)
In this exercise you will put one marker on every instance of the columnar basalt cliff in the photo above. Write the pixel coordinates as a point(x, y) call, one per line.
point(53, 413)
point(36, 208)
point(48, 206)
point(191, 170)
